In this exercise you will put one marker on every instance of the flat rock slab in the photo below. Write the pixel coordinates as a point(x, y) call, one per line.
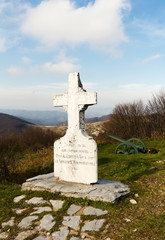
point(27, 221)
point(94, 211)
point(41, 210)
point(61, 235)
point(94, 225)
point(3, 235)
point(41, 238)
point(19, 198)
point(10, 223)
point(104, 190)
point(47, 222)
point(71, 221)
point(19, 210)
point(25, 234)
point(35, 200)
point(57, 204)
point(73, 209)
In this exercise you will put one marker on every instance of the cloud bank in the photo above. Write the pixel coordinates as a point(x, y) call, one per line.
point(59, 22)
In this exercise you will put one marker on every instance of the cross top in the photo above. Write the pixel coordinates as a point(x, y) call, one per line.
point(75, 101)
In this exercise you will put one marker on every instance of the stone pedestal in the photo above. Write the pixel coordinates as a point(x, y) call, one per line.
point(104, 190)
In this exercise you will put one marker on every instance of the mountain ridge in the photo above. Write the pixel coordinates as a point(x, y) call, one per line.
point(11, 125)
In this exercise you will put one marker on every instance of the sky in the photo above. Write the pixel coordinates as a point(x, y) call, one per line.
point(117, 46)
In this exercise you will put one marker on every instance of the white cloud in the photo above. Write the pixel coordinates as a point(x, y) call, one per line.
point(15, 71)
point(62, 67)
point(58, 22)
point(26, 59)
point(152, 58)
point(2, 45)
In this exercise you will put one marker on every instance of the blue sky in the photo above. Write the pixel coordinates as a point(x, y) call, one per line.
point(118, 46)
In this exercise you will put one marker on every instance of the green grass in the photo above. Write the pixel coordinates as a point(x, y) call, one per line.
point(143, 173)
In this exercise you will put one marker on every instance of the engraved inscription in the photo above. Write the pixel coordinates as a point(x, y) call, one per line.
point(72, 155)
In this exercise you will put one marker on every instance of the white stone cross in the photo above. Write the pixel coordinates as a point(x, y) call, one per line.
point(75, 101)
point(75, 154)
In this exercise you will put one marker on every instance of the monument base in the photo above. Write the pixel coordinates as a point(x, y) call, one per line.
point(104, 190)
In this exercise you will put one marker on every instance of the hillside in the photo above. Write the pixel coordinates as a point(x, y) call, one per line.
point(10, 125)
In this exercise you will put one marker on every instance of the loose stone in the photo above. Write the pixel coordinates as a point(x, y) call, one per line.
point(25, 234)
point(94, 211)
point(41, 209)
point(3, 235)
point(127, 219)
point(94, 225)
point(133, 201)
point(27, 221)
point(19, 198)
point(35, 200)
point(47, 222)
point(57, 204)
point(61, 235)
point(71, 221)
point(73, 209)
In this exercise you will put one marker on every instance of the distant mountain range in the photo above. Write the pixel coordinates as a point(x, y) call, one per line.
point(42, 118)
point(10, 125)
point(47, 118)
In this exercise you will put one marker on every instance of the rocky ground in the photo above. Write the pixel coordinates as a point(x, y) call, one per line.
point(40, 221)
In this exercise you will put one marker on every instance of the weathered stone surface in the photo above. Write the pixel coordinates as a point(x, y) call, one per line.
point(61, 235)
point(27, 221)
point(3, 235)
point(94, 211)
point(75, 238)
point(40, 210)
point(35, 200)
point(40, 177)
point(71, 221)
point(104, 190)
point(76, 152)
point(94, 225)
point(19, 210)
point(57, 204)
point(41, 238)
point(25, 234)
point(19, 198)
point(10, 223)
point(47, 222)
point(73, 209)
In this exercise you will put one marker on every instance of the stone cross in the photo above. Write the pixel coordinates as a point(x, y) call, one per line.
point(75, 154)
point(75, 101)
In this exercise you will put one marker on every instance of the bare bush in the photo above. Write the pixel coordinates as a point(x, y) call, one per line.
point(127, 120)
point(12, 148)
point(155, 110)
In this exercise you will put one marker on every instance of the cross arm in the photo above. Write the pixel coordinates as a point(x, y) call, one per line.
point(60, 100)
point(87, 98)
